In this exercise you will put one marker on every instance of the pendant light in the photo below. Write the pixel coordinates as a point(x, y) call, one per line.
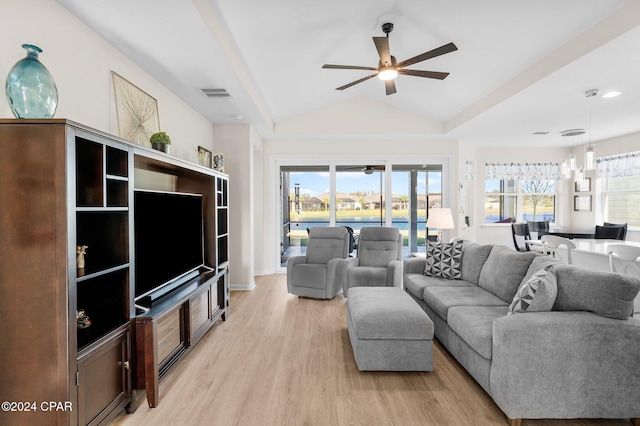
point(589, 155)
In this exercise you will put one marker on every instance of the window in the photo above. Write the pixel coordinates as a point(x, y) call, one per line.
point(622, 199)
point(500, 201)
point(620, 182)
point(341, 192)
point(511, 200)
point(538, 200)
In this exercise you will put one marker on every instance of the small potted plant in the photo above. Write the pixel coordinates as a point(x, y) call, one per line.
point(160, 141)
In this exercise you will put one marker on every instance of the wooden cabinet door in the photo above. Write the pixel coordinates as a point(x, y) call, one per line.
point(200, 315)
point(104, 379)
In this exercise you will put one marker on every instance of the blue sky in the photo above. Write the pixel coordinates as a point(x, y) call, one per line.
point(315, 183)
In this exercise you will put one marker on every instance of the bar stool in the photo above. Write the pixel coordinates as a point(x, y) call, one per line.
point(550, 244)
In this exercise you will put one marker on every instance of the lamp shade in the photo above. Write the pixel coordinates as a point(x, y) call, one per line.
point(440, 219)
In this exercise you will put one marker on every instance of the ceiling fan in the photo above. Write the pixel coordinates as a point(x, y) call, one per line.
point(367, 170)
point(388, 68)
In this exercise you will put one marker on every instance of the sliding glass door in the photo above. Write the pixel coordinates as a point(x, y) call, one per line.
point(304, 201)
point(355, 195)
point(416, 189)
point(360, 193)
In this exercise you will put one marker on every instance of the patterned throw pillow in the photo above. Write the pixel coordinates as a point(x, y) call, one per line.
point(443, 260)
point(538, 294)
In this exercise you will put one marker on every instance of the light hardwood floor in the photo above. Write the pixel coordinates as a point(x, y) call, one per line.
point(284, 360)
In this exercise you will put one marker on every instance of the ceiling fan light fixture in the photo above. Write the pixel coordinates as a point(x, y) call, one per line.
point(387, 73)
point(611, 94)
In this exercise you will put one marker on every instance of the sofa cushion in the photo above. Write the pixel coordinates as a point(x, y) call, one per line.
point(473, 257)
point(503, 271)
point(603, 293)
point(538, 294)
point(443, 260)
point(416, 283)
point(474, 324)
point(440, 299)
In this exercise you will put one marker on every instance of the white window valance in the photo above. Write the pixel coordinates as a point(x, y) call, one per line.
point(523, 171)
point(619, 165)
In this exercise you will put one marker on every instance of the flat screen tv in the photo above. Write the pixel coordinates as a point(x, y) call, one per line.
point(169, 239)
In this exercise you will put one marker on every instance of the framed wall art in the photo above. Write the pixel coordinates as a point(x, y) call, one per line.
point(582, 203)
point(136, 110)
point(583, 185)
point(204, 157)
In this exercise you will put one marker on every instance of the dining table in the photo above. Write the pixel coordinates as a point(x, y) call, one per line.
point(569, 232)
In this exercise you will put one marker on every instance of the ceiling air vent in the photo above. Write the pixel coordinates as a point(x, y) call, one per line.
point(540, 133)
point(572, 132)
point(215, 93)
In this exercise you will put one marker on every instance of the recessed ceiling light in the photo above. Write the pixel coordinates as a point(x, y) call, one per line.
point(611, 94)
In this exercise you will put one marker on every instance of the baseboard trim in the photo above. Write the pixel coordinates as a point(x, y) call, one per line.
point(242, 287)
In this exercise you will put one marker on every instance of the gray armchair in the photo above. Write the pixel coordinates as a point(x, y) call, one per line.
point(379, 261)
point(316, 274)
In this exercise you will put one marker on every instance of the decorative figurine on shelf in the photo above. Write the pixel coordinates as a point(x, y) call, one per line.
point(81, 251)
point(218, 163)
point(82, 320)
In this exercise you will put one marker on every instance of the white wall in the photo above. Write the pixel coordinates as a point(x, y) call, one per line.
point(239, 144)
point(81, 63)
point(466, 192)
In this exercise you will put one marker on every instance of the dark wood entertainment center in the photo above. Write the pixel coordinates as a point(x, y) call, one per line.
point(64, 185)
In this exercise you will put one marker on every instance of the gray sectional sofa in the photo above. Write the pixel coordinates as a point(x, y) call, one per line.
point(579, 360)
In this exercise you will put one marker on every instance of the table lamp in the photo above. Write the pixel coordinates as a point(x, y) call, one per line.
point(440, 218)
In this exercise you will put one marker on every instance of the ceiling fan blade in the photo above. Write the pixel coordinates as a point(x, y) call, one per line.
point(348, 67)
point(447, 48)
point(427, 74)
point(353, 83)
point(382, 45)
point(390, 85)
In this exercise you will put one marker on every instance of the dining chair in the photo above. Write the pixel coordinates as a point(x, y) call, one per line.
point(627, 254)
point(609, 233)
point(550, 244)
point(520, 232)
point(617, 225)
point(537, 227)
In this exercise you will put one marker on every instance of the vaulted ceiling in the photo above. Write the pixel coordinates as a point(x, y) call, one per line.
point(521, 66)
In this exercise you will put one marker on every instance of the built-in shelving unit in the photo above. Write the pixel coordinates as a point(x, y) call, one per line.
point(222, 224)
point(67, 186)
point(102, 224)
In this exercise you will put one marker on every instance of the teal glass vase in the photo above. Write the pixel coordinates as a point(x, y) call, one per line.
point(30, 89)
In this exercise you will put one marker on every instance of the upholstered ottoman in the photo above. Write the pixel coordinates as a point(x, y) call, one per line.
point(388, 330)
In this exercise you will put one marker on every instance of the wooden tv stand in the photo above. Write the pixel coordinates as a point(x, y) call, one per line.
point(172, 326)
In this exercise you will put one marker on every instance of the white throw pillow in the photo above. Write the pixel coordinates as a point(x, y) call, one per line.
point(538, 294)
